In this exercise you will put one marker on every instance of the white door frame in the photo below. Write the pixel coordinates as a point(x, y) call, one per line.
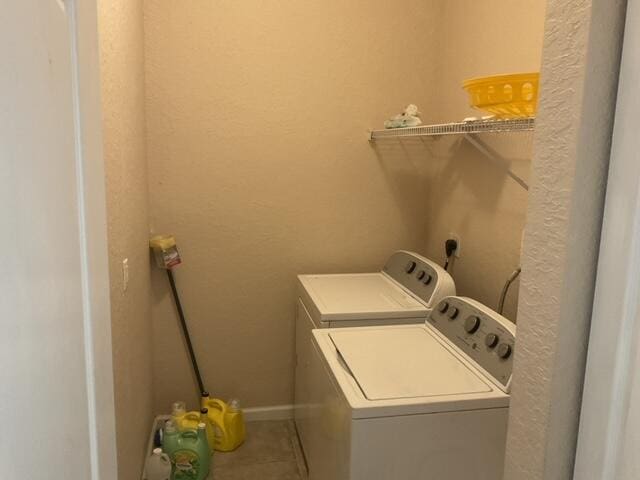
point(610, 406)
point(57, 375)
point(83, 22)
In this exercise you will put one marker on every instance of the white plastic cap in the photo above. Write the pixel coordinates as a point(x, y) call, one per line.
point(157, 451)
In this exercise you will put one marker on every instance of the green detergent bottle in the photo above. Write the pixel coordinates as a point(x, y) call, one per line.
point(188, 451)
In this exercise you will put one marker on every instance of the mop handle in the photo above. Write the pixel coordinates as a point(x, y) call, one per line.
point(185, 330)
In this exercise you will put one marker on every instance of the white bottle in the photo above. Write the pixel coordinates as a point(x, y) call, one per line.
point(158, 466)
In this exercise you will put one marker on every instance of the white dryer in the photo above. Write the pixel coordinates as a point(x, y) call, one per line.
point(414, 401)
point(405, 291)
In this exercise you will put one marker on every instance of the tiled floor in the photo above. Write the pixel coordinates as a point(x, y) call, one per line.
point(270, 452)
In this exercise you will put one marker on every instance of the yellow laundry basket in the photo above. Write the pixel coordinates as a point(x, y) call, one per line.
point(505, 96)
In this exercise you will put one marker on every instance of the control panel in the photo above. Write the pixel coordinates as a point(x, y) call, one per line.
point(482, 334)
point(425, 279)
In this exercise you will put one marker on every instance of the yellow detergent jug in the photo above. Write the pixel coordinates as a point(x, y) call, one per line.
point(182, 419)
point(189, 421)
point(228, 421)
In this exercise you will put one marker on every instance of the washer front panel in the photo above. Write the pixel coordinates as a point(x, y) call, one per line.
point(417, 274)
point(482, 334)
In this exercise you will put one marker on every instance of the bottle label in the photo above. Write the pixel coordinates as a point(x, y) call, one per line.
point(187, 465)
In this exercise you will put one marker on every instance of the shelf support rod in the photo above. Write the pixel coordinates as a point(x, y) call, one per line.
point(495, 157)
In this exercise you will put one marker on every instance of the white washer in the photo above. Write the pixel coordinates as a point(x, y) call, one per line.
point(404, 292)
point(413, 401)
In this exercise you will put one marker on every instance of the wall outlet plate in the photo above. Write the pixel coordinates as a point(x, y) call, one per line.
point(125, 274)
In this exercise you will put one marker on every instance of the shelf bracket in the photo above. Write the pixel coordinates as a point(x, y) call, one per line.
point(495, 157)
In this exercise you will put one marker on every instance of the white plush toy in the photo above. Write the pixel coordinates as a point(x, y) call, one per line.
point(409, 118)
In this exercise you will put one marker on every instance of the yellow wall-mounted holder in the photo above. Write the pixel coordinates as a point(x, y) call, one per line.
point(165, 251)
point(505, 96)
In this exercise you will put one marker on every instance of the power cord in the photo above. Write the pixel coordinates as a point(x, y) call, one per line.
point(450, 246)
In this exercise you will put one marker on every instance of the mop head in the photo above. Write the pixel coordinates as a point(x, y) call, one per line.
point(165, 251)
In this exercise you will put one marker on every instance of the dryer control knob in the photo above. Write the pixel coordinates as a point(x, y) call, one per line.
point(421, 274)
point(472, 324)
point(411, 266)
point(504, 351)
point(453, 313)
point(443, 306)
point(491, 340)
point(427, 279)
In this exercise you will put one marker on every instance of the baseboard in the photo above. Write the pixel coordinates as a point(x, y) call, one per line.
point(275, 412)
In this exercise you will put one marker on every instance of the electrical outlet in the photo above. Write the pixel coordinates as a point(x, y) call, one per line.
point(125, 274)
point(456, 237)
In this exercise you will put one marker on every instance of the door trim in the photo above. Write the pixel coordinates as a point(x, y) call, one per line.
point(615, 322)
point(92, 219)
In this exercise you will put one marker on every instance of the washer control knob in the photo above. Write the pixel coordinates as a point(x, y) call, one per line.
point(472, 324)
point(453, 313)
point(427, 279)
point(411, 266)
point(421, 274)
point(504, 351)
point(443, 307)
point(491, 340)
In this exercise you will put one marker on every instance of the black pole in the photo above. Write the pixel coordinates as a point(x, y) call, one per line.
point(185, 330)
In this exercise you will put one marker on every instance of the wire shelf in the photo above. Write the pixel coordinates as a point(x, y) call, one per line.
point(470, 127)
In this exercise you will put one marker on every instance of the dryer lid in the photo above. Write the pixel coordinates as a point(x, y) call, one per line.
point(361, 295)
point(404, 363)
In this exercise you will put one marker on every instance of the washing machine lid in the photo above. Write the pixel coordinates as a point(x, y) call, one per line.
point(404, 363)
point(361, 296)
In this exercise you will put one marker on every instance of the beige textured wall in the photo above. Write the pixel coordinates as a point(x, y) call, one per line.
point(469, 195)
point(486, 38)
point(258, 163)
point(572, 142)
point(122, 74)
